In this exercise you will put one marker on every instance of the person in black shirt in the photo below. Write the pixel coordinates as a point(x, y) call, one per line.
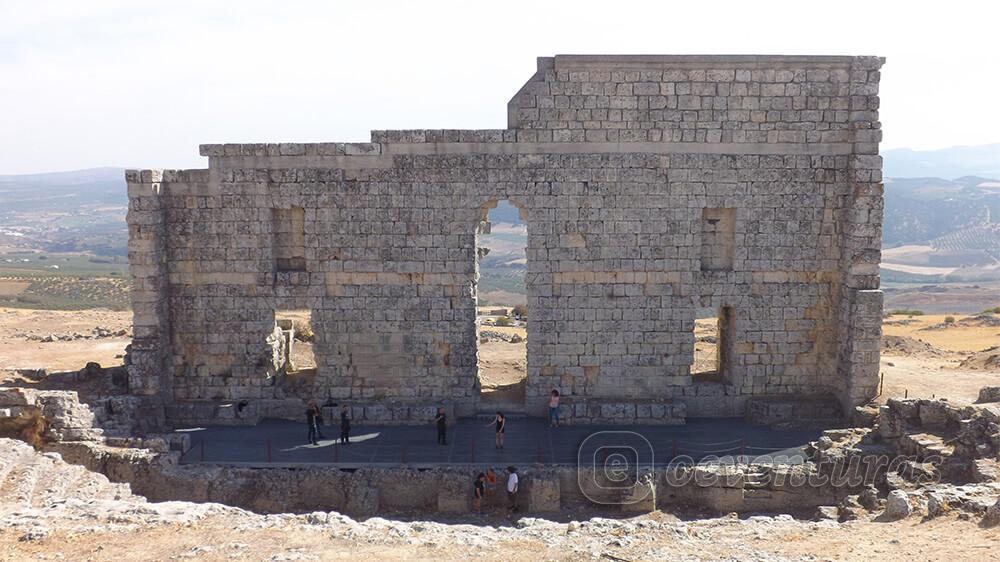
point(500, 423)
point(479, 492)
point(442, 426)
point(312, 420)
point(345, 425)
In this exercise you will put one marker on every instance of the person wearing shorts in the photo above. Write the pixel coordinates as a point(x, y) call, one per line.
point(500, 423)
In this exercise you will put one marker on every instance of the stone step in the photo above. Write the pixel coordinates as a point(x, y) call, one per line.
point(488, 416)
point(752, 494)
point(756, 481)
point(31, 478)
point(926, 445)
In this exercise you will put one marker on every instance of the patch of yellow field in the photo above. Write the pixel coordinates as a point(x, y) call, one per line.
point(953, 338)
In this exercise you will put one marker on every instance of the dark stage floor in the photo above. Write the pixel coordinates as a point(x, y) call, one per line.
point(470, 442)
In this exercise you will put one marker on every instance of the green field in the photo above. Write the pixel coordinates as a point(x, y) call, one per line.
point(55, 264)
point(64, 292)
point(62, 264)
point(78, 281)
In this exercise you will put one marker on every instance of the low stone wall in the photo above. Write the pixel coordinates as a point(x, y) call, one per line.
point(626, 412)
point(65, 418)
point(396, 412)
point(157, 475)
point(251, 412)
point(773, 410)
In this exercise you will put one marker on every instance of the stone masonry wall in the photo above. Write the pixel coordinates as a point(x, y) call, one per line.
point(615, 162)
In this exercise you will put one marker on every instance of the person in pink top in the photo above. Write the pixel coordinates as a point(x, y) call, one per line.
point(554, 408)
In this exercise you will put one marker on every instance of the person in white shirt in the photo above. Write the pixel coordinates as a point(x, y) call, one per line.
point(512, 486)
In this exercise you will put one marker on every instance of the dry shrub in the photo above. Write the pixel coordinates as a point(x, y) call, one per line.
point(304, 331)
point(28, 427)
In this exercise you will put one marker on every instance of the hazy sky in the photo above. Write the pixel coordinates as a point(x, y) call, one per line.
point(86, 83)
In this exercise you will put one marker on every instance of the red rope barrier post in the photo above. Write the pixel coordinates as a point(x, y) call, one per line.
point(268, 450)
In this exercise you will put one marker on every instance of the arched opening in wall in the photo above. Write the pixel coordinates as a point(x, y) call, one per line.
point(501, 305)
point(712, 346)
point(293, 345)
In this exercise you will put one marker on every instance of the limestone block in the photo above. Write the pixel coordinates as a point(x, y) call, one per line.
point(897, 505)
point(543, 493)
point(640, 498)
point(361, 499)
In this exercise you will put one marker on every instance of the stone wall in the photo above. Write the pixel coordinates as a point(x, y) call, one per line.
point(621, 166)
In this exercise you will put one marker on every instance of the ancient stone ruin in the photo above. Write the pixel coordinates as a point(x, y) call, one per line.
point(653, 187)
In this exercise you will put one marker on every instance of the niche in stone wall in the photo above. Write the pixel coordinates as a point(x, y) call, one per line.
point(290, 239)
point(718, 238)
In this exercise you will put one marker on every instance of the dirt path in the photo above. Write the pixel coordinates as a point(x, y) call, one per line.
point(930, 377)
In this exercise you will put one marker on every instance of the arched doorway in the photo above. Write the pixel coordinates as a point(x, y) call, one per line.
point(501, 305)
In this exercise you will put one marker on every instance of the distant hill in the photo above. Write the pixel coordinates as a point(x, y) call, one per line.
point(78, 211)
point(951, 163)
point(937, 229)
point(63, 190)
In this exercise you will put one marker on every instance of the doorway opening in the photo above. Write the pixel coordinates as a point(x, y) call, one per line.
point(713, 347)
point(501, 306)
point(294, 347)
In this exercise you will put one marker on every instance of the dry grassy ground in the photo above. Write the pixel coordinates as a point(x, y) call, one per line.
point(965, 334)
point(20, 350)
point(503, 367)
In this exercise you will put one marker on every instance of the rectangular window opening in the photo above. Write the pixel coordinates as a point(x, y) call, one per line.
point(713, 350)
point(295, 348)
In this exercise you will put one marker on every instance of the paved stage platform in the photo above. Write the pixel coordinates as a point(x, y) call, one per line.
point(471, 442)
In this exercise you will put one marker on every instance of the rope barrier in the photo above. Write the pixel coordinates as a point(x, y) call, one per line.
point(720, 450)
point(710, 444)
point(770, 449)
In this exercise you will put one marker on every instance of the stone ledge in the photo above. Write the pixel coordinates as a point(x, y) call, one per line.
point(623, 411)
point(564, 62)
